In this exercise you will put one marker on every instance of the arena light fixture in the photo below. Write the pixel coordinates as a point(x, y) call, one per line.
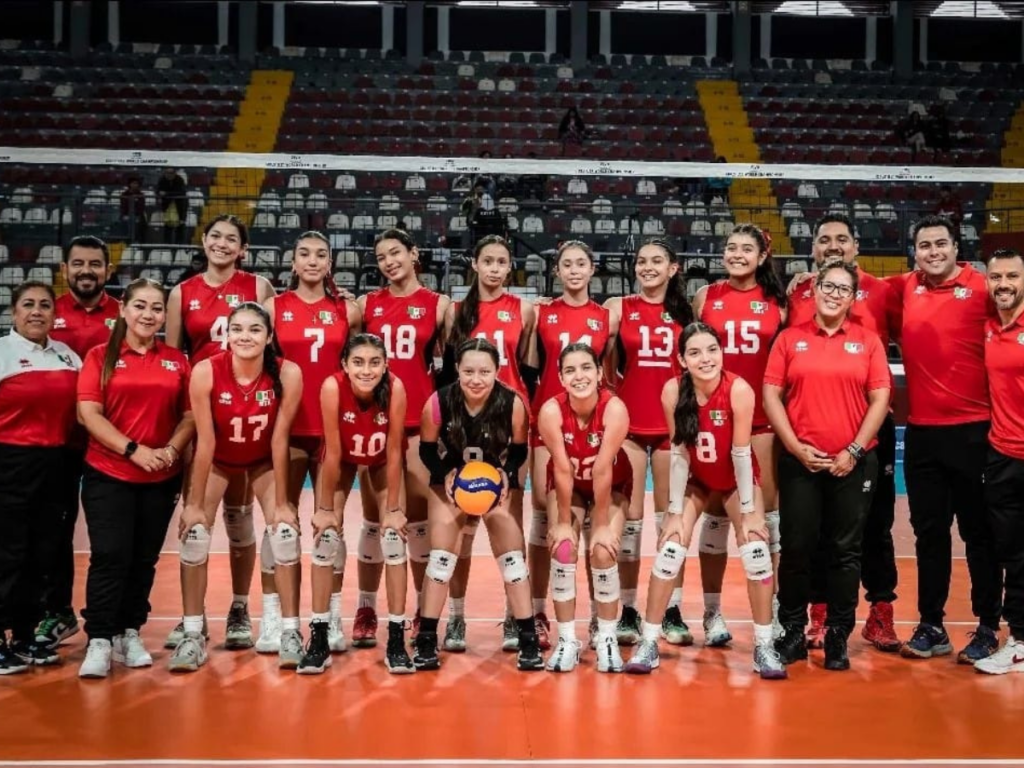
point(977, 9)
point(656, 5)
point(498, 3)
point(814, 8)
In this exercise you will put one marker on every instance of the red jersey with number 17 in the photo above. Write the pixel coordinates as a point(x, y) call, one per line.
point(500, 321)
point(408, 326)
point(711, 458)
point(243, 418)
point(558, 325)
point(363, 426)
point(205, 309)
point(648, 348)
point(312, 336)
point(583, 443)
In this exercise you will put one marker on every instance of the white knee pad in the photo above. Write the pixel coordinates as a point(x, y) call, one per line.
point(563, 581)
point(284, 541)
point(714, 535)
point(606, 584)
point(669, 561)
point(513, 567)
point(659, 523)
point(239, 526)
point(266, 554)
point(369, 550)
point(441, 565)
point(629, 549)
point(419, 543)
point(539, 528)
point(392, 547)
point(325, 551)
point(341, 555)
point(757, 560)
point(195, 549)
point(774, 536)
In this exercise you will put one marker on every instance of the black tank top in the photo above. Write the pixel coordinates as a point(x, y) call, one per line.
point(481, 438)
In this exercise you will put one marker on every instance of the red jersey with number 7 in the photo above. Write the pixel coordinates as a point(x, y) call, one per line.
point(363, 426)
point(205, 309)
point(243, 417)
point(558, 325)
point(649, 353)
point(711, 457)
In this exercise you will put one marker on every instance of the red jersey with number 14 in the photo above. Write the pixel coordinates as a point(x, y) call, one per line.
point(363, 426)
point(205, 309)
point(500, 321)
point(648, 348)
point(558, 325)
point(583, 443)
point(312, 336)
point(711, 458)
point(243, 418)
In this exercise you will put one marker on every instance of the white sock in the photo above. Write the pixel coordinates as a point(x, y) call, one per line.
point(243, 599)
point(321, 618)
point(651, 632)
point(290, 623)
point(677, 598)
point(193, 624)
point(567, 630)
point(763, 634)
point(629, 598)
point(396, 619)
point(539, 605)
point(367, 600)
point(271, 604)
point(605, 627)
point(336, 606)
point(713, 602)
point(456, 607)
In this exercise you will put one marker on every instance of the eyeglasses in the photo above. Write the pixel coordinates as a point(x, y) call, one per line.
point(831, 289)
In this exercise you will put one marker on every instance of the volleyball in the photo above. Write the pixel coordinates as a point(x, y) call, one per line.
point(477, 488)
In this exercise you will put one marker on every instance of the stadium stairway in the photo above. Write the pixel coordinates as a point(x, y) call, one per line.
point(1004, 195)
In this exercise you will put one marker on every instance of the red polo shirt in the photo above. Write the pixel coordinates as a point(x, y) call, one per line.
point(877, 306)
point(943, 340)
point(826, 379)
point(1004, 363)
point(82, 328)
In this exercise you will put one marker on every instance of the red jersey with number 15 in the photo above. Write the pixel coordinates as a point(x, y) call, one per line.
point(583, 443)
point(243, 418)
point(711, 458)
point(558, 325)
point(363, 426)
point(500, 321)
point(205, 309)
point(648, 349)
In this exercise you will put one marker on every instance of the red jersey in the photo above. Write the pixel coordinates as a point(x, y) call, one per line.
point(83, 328)
point(1004, 362)
point(558, 325)
point(649, 353)
point(500, 321)
point(37, 392)
point(711, 457)
point(243, 419)
point(583, 443)
point(876, 307)
point(145, 398)
point(363, 426)
point(313, 337)
point(943, 341)
point(408, 326)
point(205, 309)
point(747, 322)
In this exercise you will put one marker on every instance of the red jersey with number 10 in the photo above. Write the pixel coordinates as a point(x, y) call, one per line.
point(649, 351)
point(363, 426)
point(558, 325)
point(500, 321)
point(243, 418)
point(583, 443)
point(711, 458)
point(205, 309)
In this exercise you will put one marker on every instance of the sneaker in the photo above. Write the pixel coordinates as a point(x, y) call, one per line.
point(608, 657)
point(55, 628)
point(542, 627)
point(509, 635)
point(238, 636)
point(928, 641)
point(768, 663)
point(565, 657)
point(592, 633)
point(983, 644)
point(674, 629)
point(1009, 658)
point(190, 654)
point(10, 664)
point(290, 654)
point(97, 659)
point(426, 657)
point(364, 629)
point(396, 658)
point(529, 658)
point(836, 656)
point(644, 659)
point(129, 650)
point(792, 646)
point(269, 640)
point(716, 634)
point(455, 635)
point(816, 632)
point(35, 653)
point(879, 629)
point(336, 636)
point(176, 635)
point(317, 656)
point(628, 629)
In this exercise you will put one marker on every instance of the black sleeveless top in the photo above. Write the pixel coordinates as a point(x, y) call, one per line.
point(480, 439)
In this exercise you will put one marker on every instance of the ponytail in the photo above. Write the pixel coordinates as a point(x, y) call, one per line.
point(687, 413)
point(765, 275)
point(271, 361)
point(676, 303)
point(120, 330)
point(467, 315)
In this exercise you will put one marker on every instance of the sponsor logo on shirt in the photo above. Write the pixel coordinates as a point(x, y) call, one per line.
point(120, 364)
point(264, 397)
point(349, 417)
point(718, 418)
point(962, 293)
point(800, 346)
point(233, 300)
point(867, 486)
point(759, 307)
point(170, 365)
point(719, 305)
point(380, 418)
point(853, 347)
point(59, 322)
point(225, 398)
point(594, 325)
point(326, 317)
point(109, 322)
point(505, 317)
point(416, 312)
point(25, 363)
point(194, 305)
point(287, 316)
point(552, 319)
point(378, 311)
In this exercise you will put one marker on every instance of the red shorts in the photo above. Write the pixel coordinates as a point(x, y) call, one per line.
point(586, 489)
point(762, 429)
point(311, 445)
point(651, 443)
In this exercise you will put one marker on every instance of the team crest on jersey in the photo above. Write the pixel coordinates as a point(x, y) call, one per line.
point(287, 316)
point(416, 312)
point(505, 317)
point(194, 305)
point(808, 294)
point(380, 419)
point(66, 359)
point(109, 322)
point(634, 315)
point(59, 322)
point(1020, 338)
point(225, 398)
point(718, 305)
point(962, 293)
point(593, 439)
point(233, 300)
point(170, 365)
point(666, 317)
point(594, 325)
point(378, 311)
point(552, 319)
point(759, 307)
point(326, 317)
point(718, 417)
point(853, 347)
point(349, 417)
point(264, 397)
point(920, 289)
point(800, 346)
point(862, 295)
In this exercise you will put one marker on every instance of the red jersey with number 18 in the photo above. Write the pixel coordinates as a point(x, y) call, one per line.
point(711, 458)
point(363, 426)
point(243, 418)
point(205, 309)
point(648, 348)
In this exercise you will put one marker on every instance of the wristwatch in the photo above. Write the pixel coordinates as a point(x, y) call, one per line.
point(131, 448)
point(856, 451)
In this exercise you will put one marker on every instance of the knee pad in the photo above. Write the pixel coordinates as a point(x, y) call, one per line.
point(239, 526)
point(669, 561)
point(284, 541)
point(195, 549)
point(513, 567)
point(659, 523)
point(419, 543)
point(369, 550)
point(539, 528)
point(325, 551)
point(606, 584)
point(266, 554)
point(392, 547)
point(563, 581)
point(441, 565)
point(629, 548)
point(341, 555)
point(774, 534)
point(714, 535)
point(757, 561)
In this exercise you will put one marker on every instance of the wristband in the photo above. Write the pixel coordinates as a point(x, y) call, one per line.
point(856, 451)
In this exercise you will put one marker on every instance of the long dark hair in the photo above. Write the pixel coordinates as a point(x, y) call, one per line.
point(382, 392)
point(271, 364)
point(404, 238)
point(468, 313)
point(237, 223)
point(120, 330)
point(765, 274)
point(687, 422)
point(676, 303)
point(499, 430)
point(329, 287)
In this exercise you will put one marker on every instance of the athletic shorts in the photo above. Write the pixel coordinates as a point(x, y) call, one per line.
point(311, 445)
point(651, 443)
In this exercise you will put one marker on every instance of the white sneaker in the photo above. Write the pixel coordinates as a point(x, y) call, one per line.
point(608, 657)
point(270, 634)
point(335, 636)
point(97, 660)
point(129, 650)
point(716, 633)
point(291, 650)
point(565, 657)
point(190, 654)
point(1009, 658)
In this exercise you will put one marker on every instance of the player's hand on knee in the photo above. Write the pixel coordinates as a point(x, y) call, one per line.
point(191, 515)
point(603, 536)
point(754, 527)
point(560, 532)
point(396, 520)
point(449, 486)
point(671, 530)
point(322, 520)
point(286, 513)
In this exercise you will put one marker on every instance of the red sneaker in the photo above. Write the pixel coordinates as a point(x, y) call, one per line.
point(543, 627)
point(364, 629)
point(816, 632)
point(879, 629)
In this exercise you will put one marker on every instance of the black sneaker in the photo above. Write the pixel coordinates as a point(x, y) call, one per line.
point(35, 652)
point(9, 663)
point(396, 659)
point(792, 646)
point(317, 656)
point(529, 659)
point(426, 657)
point(836, 657)
point(983, 644)
point(928, 641)
point(628, 630)
point(55, 628)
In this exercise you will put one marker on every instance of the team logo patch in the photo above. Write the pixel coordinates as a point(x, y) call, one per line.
point(759, 307)
point(326, 317)
point(593, 439)
point(66, 359)
point(718, 305)
point(349, 417)
point(800, 346)
point(666, 317)
point(1020, 338)
point(378, 311)
point(505, 317)
point(109, 322)
point(416, 312)
point(853, 347)
point(380, 418)
point(59, 322)
point(862, 295)
point(962, 293)
point(170, 365)
point(265, 397)
point(552, 319)
point(594, 325)
point(867, 486)
point(287, 316)
point(718, 418)
point(233, 300)
point(194, 305)
point(225, 398)
point(634, 315)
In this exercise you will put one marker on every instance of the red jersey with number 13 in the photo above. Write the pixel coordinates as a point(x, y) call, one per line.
point(363, 426)
point(205, 309)
point(558, 325)
point(648, 349)
point(243, 418)
point(711, 458)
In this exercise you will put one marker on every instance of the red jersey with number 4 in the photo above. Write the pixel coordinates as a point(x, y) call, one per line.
point(363, 426)
point(648, 348)
point(747, 323)
point(408, 326)
point(205, 309)
point(711, 458)
point(312, 336)
point(583, 443)
point(558, 325)
point(500, 321)
point(243, 417)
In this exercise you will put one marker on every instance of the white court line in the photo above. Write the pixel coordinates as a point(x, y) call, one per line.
point(610, 763)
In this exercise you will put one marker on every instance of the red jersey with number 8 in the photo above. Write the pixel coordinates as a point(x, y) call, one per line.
point(648, 349)
point(711, 458)
point(313, 337)
point(363, 426)
point(500, 321)
point(583, 443)
point(558, 325)
point(205, 309)
point(243, 417)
